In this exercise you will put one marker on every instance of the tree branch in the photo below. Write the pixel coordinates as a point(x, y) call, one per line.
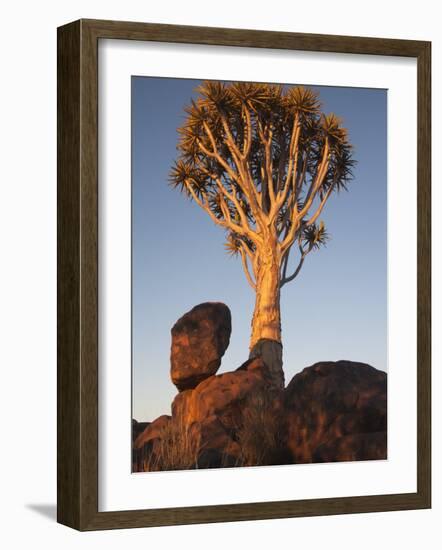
point(231, 196)
point(245, 266)
point(293, 162)
point(215, 154)
point(300, 182)
point(269, 167)
point(315, 185)
point(316, 215)
point(247, 132)
point(284, 278)
point(226, 223)
point(317, 182)
point(230, 141)
point(267, 189)
point(241, 178)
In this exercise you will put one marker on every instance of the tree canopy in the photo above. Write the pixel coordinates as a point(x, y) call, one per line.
point(262, 161)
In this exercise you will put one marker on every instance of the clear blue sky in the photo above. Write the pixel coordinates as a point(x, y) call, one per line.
point(337, 306)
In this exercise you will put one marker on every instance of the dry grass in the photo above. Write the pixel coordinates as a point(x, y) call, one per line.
point(259, 435)
point(176, 449)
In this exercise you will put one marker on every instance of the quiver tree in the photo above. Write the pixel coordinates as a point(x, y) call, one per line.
point(262, 160)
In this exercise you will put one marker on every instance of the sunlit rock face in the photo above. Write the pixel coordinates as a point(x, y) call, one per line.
point(218, 408)
point(222, 395)
point(199, 340)
point(337, 411)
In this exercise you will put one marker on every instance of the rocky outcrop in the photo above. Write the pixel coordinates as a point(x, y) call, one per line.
point(215, 446)
point(361, 446)
point(145, 446)
point(337, 411)
point(153, 431)
point(199, 340)
point(215, 410)
point(222, 395)
point(329, 412)
point(137, 428)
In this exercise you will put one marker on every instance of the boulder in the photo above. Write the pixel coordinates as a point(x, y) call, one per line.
point(137, 428)
point(146, 443)
point(216, 448)
point(336, 411)
point(361, 446)
point(222, 395)
point(222, 414)
point(199, 340)
point(152, 431)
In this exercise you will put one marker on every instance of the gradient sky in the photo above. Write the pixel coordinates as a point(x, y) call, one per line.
point(335, 309)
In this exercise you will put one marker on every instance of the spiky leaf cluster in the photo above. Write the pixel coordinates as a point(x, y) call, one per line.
point(235, 243)
point(314, 236)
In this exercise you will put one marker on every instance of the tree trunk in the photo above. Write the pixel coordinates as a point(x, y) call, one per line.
point(266, 322)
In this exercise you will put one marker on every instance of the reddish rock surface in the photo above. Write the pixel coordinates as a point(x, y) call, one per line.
point(361, 446)
point(153, 431)
point(215, 409)
point(147, 441)
point(137, 428)
point(199, 340)
point(222, 395)
point(337, 411)
point(215, 446)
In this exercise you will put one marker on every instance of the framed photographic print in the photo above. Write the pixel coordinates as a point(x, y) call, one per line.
point(243, 275)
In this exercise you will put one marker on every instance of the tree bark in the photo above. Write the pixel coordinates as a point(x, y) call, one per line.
point(266, 322)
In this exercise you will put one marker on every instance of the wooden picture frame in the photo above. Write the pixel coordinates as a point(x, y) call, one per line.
point(77, 461)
